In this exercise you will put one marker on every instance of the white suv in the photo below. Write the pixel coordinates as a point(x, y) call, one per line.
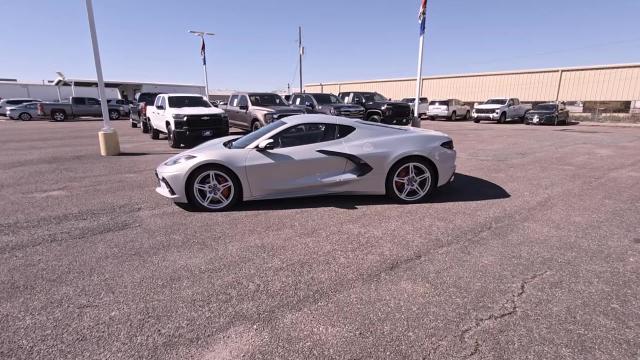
point(451, 109)
point(186, 119)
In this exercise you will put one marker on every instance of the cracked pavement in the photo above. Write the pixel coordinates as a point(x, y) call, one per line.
point(533, 252)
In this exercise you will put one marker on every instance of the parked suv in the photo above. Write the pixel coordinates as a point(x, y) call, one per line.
point(329, 104)
point(451, 109)
point(379, 108)
point(6, 103)
point(186, 119)
point(251, 111)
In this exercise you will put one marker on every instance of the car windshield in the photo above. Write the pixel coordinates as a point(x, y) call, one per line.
point(266, 100)
point(496, 102)
point(372, 97)
point(188, 101)
point(545, 107)
point(243, 142)
point(148, 98)
point(409, 100)
point(327, 99)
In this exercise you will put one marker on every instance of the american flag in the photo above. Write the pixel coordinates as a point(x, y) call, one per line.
point(202, 51)
point(422, 14)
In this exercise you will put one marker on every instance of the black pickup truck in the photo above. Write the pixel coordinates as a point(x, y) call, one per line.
point(138, 113)
point(378, 108)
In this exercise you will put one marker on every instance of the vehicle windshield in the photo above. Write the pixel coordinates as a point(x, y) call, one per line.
point(439, 102)
point(243, 142)
point(545, 107)
point(266, 100)
point(373, 97)
point(188, 101)
point(327, 99)
point(148, 98)
point(496, 102)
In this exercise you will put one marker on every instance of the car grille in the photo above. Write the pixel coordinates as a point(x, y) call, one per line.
point(205, 121)
point(351, 113)
point(398, 111)
point(485, 111)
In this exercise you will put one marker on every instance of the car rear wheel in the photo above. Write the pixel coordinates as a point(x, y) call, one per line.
point(24, 116)
point(453, 116)
point(411, 180)
point(503, 118)
point(477, 121)
point(155, 134)
point(467, 116)
point(374, 118)
point(145, 126)
point(133, 124)
point(58, 115)
point(114, 114)
point(213, 188)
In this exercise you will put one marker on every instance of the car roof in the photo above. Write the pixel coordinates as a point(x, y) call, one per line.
point(181, 94)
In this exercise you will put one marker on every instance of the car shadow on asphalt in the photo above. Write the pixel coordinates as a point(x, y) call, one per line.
point(464, 188)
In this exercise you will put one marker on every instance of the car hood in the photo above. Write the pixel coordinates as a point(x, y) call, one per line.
point(488, 106)
point(196, 110)
point(278, 109)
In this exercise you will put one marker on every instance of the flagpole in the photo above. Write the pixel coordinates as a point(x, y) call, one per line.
point(422, 15)
point(203, 54)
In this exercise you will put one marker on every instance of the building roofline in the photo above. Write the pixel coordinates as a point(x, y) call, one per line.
point(527, 71)
point(128, 82)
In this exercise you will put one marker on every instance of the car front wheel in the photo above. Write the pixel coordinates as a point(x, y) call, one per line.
point(213, 188)
point(411, 180)
point(25, 116)
point(114, 115)
point(171, 138)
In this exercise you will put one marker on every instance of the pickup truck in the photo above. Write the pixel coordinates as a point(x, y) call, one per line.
point(76, 106)
point(251, 111)
point(423, 106)
point(186, 119)
point(138, 114)
point(320, 103)
point(378, 108)
point(501, 110)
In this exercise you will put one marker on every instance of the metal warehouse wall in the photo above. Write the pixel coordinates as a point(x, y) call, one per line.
point(593, 83)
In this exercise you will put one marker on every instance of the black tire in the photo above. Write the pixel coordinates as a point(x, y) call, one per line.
point(477, 121)
point(374, 118)
point(24, 116)
point(171, 138)
point(467, 116)
point(145, 126)
point(58, 115)
point(190, 191)
point(454, 116)
point(389, 183)
point(155, 134)
point(503, 118)
point(255, 125)
point(524, 117)
point(133, 124)
point(114, 114)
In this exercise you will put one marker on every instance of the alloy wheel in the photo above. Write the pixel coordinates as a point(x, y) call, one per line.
point(411, 181)
point(213, 189)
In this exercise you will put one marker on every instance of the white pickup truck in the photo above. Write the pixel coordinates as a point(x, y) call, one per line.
point(501, 110)
point(186, 119)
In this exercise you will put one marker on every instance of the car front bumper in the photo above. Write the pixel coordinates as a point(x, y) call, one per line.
point(199, 135)
point(493, 116)
point(170, 184)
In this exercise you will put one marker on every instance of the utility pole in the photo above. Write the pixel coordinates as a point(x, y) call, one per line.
point(422, 14)
point(108, 138)
point(203, 54)
point(301, 52)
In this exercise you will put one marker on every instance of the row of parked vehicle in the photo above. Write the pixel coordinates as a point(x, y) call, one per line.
point(26, 109)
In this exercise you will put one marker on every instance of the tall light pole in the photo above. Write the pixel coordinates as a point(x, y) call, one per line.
point(203, 54)
point(107, 136)
point(422, 15)
point(301, 52)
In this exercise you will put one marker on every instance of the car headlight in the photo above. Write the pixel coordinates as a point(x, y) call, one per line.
point(268, 118)
point(497, 111)
point(178, 116)
point(179, 159)
point(333, 111)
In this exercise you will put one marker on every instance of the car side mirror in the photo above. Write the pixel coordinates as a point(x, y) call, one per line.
point(309, 105)
point(265, 145)
point(160, 107)
point(243, 107)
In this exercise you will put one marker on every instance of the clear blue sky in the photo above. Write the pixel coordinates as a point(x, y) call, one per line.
point(255, 45)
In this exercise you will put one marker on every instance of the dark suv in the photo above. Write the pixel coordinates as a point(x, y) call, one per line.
point(378, 108)
point(329, 104)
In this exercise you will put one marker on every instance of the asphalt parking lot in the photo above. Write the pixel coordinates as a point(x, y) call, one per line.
point(532, 252)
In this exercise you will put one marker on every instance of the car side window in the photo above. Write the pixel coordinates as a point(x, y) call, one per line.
point(242, 101)
point(297, 100)
point(357, 98)
point(31, 106)
point(163, 102)
point(308, 99)
point(344, 131)
point(157, 102)
point(78, 101)
point(91, 101)
point(233, 100)
point(305, 134)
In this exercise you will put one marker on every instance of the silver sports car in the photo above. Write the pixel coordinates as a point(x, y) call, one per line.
point(307, 155)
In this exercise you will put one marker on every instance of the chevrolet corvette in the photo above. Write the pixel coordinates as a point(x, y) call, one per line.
point(307, 155)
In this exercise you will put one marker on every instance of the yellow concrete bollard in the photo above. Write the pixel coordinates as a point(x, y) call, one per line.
point(109, 143)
